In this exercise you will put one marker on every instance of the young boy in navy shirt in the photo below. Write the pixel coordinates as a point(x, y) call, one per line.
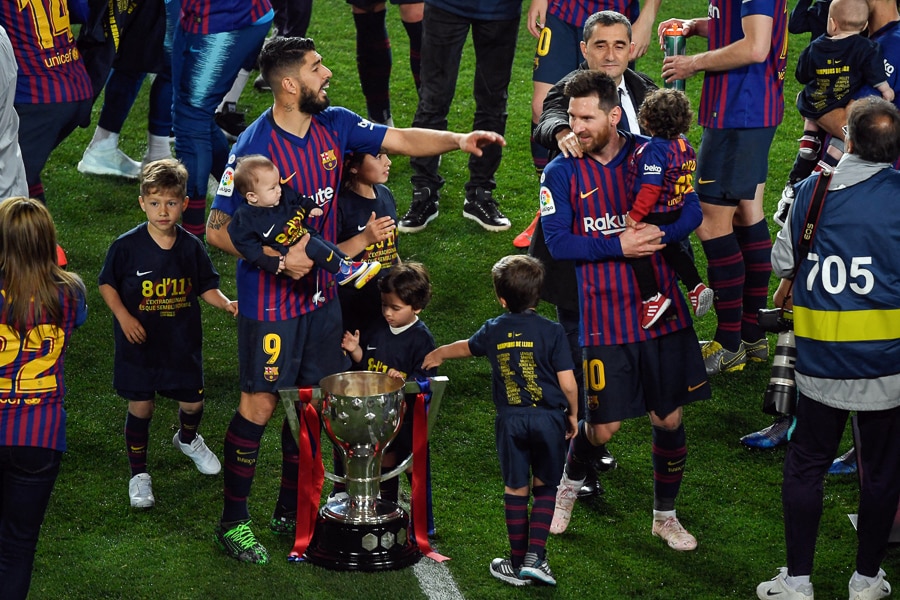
point(397, 346)
point(536, 398)
point(153, 279)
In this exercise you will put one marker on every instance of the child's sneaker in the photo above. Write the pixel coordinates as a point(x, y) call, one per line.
point(206, 462)
point(654, 309)
point(809, 147)
point(360, 273)
point(140, 491)
point(701, 298)
point(502, 569)
point(537, 570)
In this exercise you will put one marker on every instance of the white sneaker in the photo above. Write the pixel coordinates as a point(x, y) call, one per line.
point(879, 589)
point(335, 498)
point(203, 457)
point(140, 491)
point(784, 204)
point(566, 494)
point(108, 161)
point(778, 589)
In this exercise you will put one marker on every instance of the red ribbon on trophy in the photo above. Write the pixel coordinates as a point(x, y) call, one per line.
point(419, 498)
point(311, 474)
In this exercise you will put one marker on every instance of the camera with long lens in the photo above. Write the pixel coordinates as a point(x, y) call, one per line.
point(781, 392)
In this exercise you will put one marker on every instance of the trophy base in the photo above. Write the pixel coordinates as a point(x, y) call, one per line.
point(343, 546)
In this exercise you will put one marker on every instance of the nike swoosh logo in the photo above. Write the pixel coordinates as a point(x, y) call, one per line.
point(675, 463)
point(586, 194)
point(266, 234)
point(692, 388)
point(371, 347)
point(284, 181)
point(138, 448)
point(703, 181)
point(244, 452)
point(360, 227)
point(142, 273)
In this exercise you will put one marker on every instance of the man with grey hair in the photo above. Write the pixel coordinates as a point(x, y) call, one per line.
point(848, 349)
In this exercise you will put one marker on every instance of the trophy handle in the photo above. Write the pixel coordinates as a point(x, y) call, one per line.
point(291, 396)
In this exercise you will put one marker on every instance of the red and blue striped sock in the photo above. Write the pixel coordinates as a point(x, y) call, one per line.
point(517, 526)
point(240, 454)
point(726, 275)
point(669, 458)
point(756, 248)
point(137, 435)
point(541, 516)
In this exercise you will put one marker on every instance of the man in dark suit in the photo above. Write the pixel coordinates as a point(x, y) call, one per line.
point(606, 47)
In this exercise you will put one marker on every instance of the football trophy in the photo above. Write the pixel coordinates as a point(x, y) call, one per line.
point(362, 412)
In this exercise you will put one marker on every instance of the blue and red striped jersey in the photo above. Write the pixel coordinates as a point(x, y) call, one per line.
point(667, 164)
point(889, 39)
point(50, 66)
point(576, 12)
point(32, 386)
point(752, 95)
point(312, 166)
point(217, 16)
point(583, 206)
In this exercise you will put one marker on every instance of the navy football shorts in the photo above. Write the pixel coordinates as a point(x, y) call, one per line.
point(630, 380)
point(731, 163)
point(295, 352)
point(531, 441)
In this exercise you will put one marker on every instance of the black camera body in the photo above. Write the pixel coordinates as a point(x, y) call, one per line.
point(775, 320)
point(781, 392)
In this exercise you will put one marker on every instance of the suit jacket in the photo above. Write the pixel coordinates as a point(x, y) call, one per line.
point(560, 285)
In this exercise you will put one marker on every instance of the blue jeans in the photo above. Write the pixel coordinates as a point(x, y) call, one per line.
point(203, 70)
point(443, 38)
point(27, 476)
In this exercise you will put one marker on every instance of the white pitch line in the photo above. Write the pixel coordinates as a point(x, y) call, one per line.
point(436, 581)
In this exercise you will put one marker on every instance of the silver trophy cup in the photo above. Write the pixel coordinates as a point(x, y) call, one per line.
point(362, 412)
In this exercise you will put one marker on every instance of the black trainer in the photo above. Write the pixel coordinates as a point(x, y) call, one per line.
point(602, 460)
point(260, 84)
point(591, 486)
point(422, 211)
point(484, 210)
point(231, 121)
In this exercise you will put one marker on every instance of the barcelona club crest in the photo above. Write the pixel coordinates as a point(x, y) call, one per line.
point(329, 161)
point(270, 373)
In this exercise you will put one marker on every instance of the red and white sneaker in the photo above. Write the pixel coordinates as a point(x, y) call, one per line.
point(654, 309)
point(701, 298)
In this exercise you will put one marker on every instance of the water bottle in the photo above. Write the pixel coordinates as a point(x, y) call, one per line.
point(675, 44)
